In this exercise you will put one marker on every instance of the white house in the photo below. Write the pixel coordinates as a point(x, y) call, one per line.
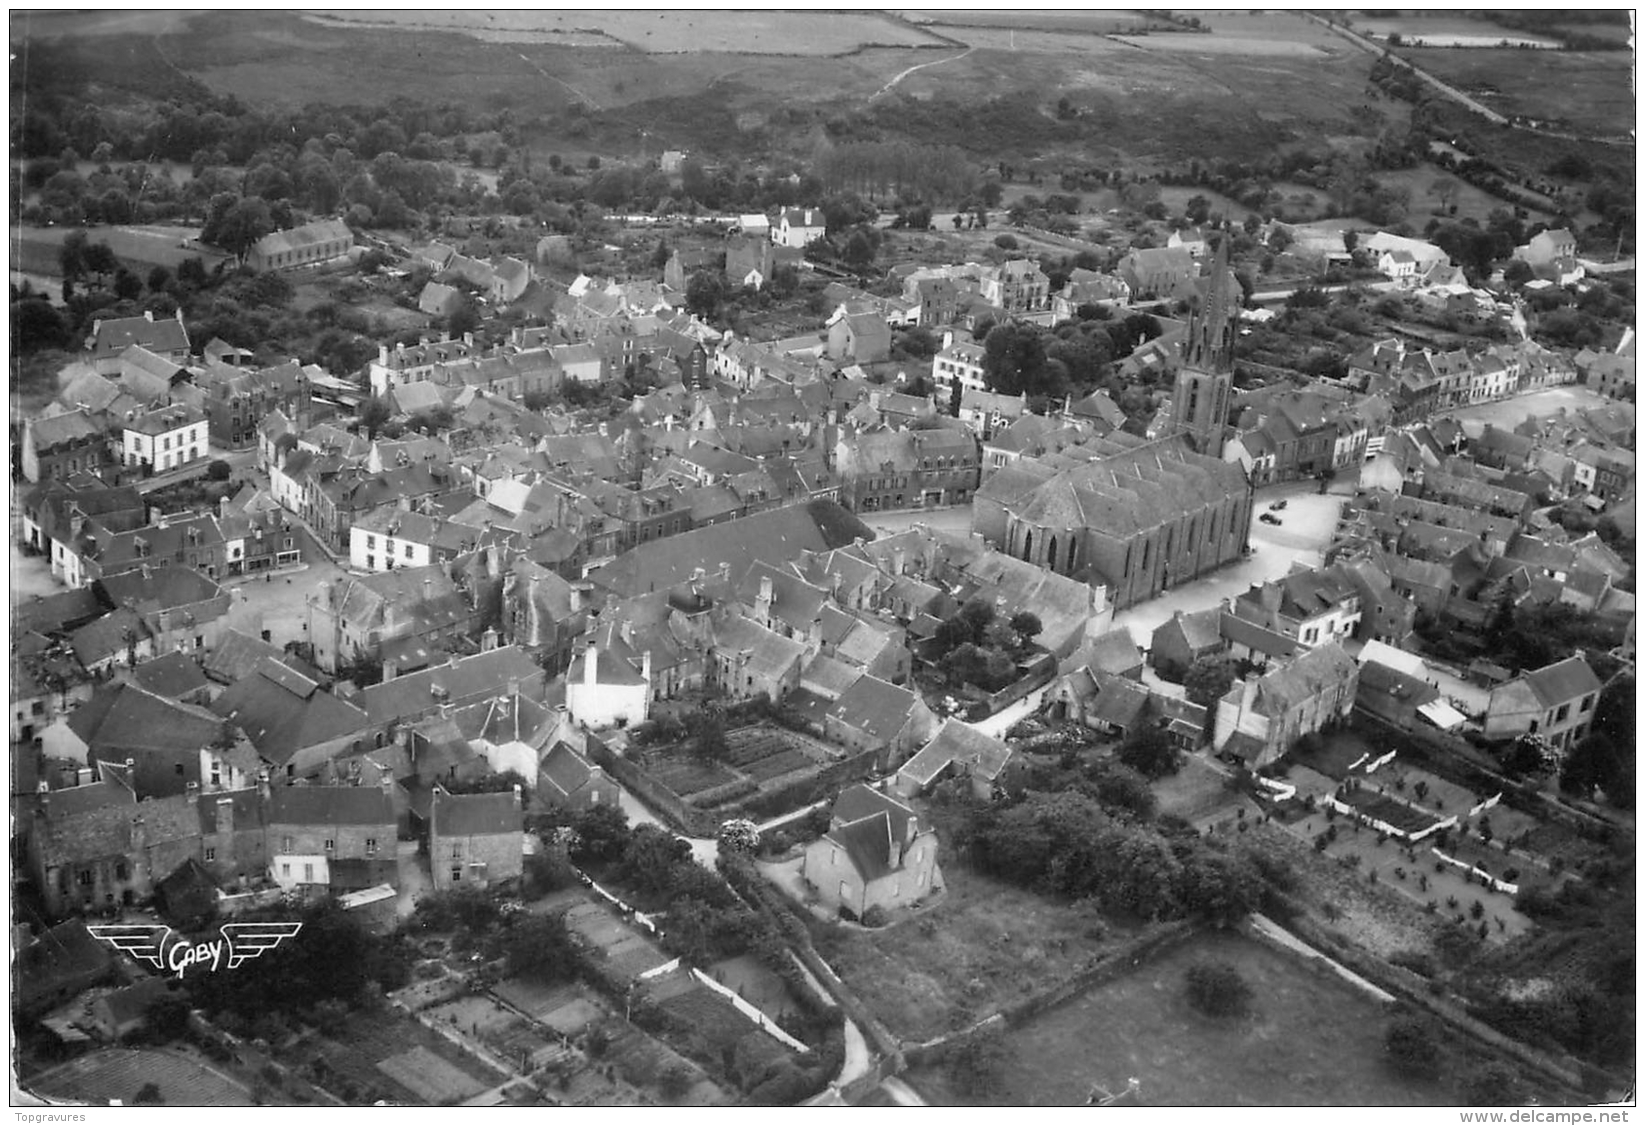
point(608, 684)
point(756, 225)
point(392, 537)
point(164, 439)
point(959, 362)
point(799, 227)
point(1399, 266)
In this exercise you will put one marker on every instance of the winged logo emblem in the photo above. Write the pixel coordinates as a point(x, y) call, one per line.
point(146, 943)
point(251, 940)
point(164, 949)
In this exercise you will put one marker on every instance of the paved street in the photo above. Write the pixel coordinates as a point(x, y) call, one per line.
point(1511, 412)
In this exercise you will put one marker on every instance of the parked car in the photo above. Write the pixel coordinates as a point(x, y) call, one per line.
point(1278, 506)
point(1269, 518)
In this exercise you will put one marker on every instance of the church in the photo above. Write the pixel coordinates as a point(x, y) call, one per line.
point(1135, 515)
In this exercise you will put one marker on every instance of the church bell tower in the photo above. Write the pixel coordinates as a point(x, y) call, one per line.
point(1199, 405)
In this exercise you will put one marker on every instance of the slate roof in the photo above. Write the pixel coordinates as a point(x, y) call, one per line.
point(126, 717)
point(62, 429)
point(775, 536)
point(1563, 681)
point(248, 809)
point(474, 815)
point(1239, 631)
point(309, 234)
point(173, 676)
point(158, 334)
point(874, 706)
point(867, 844)
point(238, 654)
point(564, 769)
point(283, 712)
point(464, 679)
point(1310, 674)
point(958, 742)
point(1114, 652)
point(330, 805)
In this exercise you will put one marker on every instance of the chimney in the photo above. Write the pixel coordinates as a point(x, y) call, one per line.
point(468, 339)
point(262, 784)
point(590, 664)
point(513, 687)
point(225, 815)
point(576, 597)
point(191, 790)
point(386, 781)
point(645, 667)
point(428, 589)
point(516, 795)
point(625, 631)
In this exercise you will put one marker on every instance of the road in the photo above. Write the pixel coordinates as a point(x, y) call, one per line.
point(1449, 91)
point(1512, 411)
point(1271, 296)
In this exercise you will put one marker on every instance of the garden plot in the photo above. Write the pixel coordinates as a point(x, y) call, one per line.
point(1390, 811)
point(1311, 1039)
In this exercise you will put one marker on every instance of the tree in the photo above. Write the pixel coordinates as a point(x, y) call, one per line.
point(738, 835)
point(1216, 989)
point(1027, 625)
point(158, 279)
point(147, 1095)
point(1517, 272)
point(707, 728)
point(374, 414)
point(859, 250)
point(1148, 751)
point(602, 833)
point(1494, 1084)
point(127, 285)
point(1120, 787)
point(540, 946)
point(246, 221)
point(705, 292)
point(1209, 680)
point(464, 319)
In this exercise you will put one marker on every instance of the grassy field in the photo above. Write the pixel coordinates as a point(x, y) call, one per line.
point(1438, 27)
point(1582, 90)
point(1311, 1039)
point(1471, 202)
point(985, 944)
point(672, 32)
point(35, 249)
point(1099, 22)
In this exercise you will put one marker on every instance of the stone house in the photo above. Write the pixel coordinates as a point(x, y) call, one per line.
point(474, 838)
point(876, 853)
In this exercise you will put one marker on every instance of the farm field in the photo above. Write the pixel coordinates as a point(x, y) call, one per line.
point(673, 32)
point(984, 945)
point(1221, 44)
point(1583, 90)
point(1310, 1040)
point(1445, 28)
point(1096, 22)
point(397, 1053)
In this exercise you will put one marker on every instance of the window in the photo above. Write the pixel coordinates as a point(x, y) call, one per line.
point(83, 877)
point(456, 873)
point(285, 844)
point(408, 551)
point(371, 846)
point(211, 854)
point(1564, 711)
point(285, 869)
point(457, 851)
point(1587, 705)
point(371, 543)
point(308, 873)
point(331, 845)
point(120, 870)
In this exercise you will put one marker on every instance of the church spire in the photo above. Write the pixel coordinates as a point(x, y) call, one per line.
point(1211, 326)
